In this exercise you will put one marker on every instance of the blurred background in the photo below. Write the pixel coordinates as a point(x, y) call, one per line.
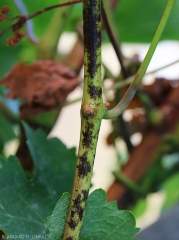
point(137, 159)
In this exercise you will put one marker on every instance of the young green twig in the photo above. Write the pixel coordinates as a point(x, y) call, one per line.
point(92, 112)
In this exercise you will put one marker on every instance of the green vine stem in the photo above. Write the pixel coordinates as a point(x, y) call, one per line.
point(92, 112)
point(121, 106)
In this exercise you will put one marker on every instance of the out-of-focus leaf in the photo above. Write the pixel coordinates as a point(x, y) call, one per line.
point(137, 20)
point(102, 220)
point(170, 160)
point(44, 18)
point(170, 187)
point(25, 205)
point(75, 18)
point(24, 52)
point(6, 132)
point(139, 208)
point(45, 120)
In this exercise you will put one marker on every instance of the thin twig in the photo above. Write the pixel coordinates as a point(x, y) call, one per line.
point(130, 79)
point(114, 42)
point(40, 12)
point(30, 27)
point(52, 7)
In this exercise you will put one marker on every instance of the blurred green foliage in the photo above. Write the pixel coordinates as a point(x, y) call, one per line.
point(137, 20)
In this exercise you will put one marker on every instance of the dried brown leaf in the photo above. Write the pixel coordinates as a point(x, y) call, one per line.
point(45, 83)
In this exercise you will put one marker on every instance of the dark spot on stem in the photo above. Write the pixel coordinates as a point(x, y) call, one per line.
point(78, 209)
point(72, 224)
point(72, 214)
point(94, 92)
point(80, 213)
point(85, 195)
point(88, 135)
point(84, 166)
point(69, 238)
point(77, 201)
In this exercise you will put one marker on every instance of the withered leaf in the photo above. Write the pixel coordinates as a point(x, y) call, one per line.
point(44, 83)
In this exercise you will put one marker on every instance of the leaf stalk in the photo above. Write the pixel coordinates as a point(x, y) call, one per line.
point(121, 106)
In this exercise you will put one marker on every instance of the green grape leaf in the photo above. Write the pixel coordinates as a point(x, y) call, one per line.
point(25, 205)
point(57, 220)
point(102, 220)
point(45, 120)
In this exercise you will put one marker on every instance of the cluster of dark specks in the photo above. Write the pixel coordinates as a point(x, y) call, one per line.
point(84, 166)
point(88, 135)
point(69, 238)
point(72, 214)
point(94, 92)
point(77, 209)
point(85, 195)
point(77, 205)
point(77, 201)
point(72, 224)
